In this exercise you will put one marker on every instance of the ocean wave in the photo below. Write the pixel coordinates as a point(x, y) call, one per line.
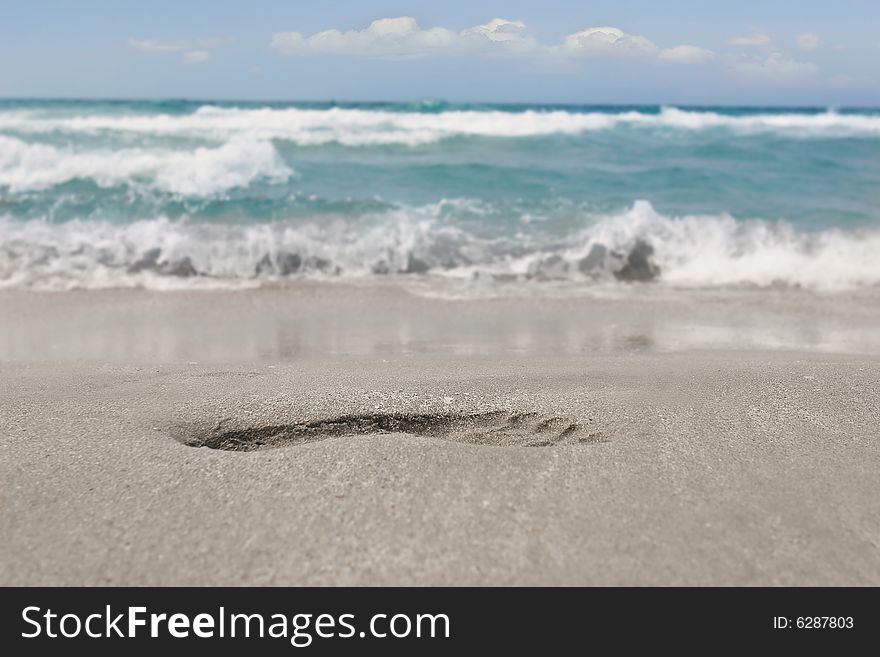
point(363, 127)
point(198, 172)
point(719, 250)
point(638, 245)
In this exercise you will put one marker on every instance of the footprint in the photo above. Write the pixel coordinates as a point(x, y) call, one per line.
point(497, 428)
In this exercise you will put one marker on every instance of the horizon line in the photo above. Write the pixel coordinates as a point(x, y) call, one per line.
point(181, 99)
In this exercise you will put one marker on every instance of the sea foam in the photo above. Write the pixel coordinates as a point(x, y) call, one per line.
point(198, 172)
point(687, 251)
point(362, 127)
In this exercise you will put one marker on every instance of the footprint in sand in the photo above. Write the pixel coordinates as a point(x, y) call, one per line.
point(497, 428)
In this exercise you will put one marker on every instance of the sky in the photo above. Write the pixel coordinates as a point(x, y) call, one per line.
point(743, 52)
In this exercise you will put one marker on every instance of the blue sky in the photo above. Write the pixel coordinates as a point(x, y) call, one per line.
point(675, 51)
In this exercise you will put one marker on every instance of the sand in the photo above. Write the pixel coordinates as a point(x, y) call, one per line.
point(615, 441)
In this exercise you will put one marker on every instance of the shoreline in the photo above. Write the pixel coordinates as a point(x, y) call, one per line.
point(301, 319)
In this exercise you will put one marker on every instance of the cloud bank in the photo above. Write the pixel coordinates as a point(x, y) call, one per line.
point(403, 37)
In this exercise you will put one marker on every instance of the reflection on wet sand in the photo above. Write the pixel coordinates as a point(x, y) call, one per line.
point(294, 323)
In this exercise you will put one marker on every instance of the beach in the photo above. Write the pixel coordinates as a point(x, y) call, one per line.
point(440, 343)
point(634, 438)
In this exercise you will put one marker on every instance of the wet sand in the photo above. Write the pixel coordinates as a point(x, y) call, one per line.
point(370, 437)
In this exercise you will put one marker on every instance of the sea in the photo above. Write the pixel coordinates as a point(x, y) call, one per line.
point(451, 199)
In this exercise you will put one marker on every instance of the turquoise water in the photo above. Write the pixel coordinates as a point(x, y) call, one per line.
point(175, 193)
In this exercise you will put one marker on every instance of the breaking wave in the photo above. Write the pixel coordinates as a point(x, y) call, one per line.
point(370, 127)
point(638, 246)
point(199, 172)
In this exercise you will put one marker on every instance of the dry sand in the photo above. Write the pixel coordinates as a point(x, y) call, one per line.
point(558, 442)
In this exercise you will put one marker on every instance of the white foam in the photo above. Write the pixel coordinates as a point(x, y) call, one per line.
point(718, 250)
point(822, 124)
point(691, 251)
point(198, 172)
point(93, 254)
point(362, 127)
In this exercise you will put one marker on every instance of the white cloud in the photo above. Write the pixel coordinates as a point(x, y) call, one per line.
point(499, 29)
point(686, 55)
point(195, 51)
point(607, 41)
point(776, 67)
point(386, 37)
point(151, 45)
point(512, 35)
point(197, 56)
point(404, 37)
point(755, 40)
point(287, 41)
point(808, 41)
